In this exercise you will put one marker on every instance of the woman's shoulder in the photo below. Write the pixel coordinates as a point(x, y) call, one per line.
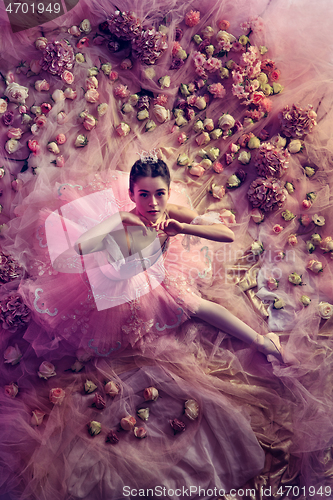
point(180, 213)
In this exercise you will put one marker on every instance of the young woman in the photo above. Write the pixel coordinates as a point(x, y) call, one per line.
point(144, 238)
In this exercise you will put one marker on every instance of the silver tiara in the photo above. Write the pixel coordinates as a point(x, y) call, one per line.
point(146, 156)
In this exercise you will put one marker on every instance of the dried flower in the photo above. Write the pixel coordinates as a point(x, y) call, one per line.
point(266, 194)
point(315, 266)
point(128, 423)
point(46, 370)
point(150, 394)
point(57, 395)
point(13, 312)
point(149, 46)
point(143, 413)
point(140, 432)
point(183, 160)
point(125, 25)
point(192, 18)
point(77, 366)
point(89, 387)
point(295, 279)
point(111, 389)
point(272, 283)
point(191, 409)
point(57, 57)
point(81, 141)
point(98, 402)
point(309, 171)
point(287, 215)
point(9, 270)
point(177, 425)
point(257, 215)
point(94, 428)
point(325, 310)
point(37, 417)
point(305, 300)
point(271, 161)
point(297, 122)
point(11, 390)
point(112, 437)
point(217, 191)
point(257, 248)
point(292, 240)
point(278, 303)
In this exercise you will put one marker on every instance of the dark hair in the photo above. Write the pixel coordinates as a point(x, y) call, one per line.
point(149, 169)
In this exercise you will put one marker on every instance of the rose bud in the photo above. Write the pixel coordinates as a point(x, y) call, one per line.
point(53, 148)
point(150, 394)
point(306, 204)
point(112, 437)
point(102, 108)
point(183, 160)
point(111, 389)
point(11, 390)
point(94, 428)
point(91, 83)
point(257, 215)
point(74, 30)
point(37, 417)
point(315, 266)
point(113, 76)
point(325, 310)
point(59, 161)
point(277, 228)
point(42, 85)
point(45, 108)
point(177, 425)
point(70, 93)
point(67, 77)
point(292, 240)
point(46, 370)
point(279, 303)
point(123, 129)
point(14, 133)
point(128, 423)
point(89, 122)
point(143, 413)
point(41, 43)
point(295, 279)
point(217, 191)
point(98, 402)
point(203, 139)
point(305, 300)
point(106, 68)
point(77, 366)
point(191, 409)
point(91, 96)
point(16, 185)
point(61, 139)
point(89, 387)
point(58, 95)
point(12, 355)
point(12, 146)
point(272, 284)
point(61, 118)
point(57, 396)
point(140, 432)
point(81, 141)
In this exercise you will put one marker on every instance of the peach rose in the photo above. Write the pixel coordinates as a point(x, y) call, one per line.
point(57, 395)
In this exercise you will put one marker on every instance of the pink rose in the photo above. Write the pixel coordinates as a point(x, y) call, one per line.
point(140, 432)
point(150, 394)
point(315, 266)
point(89, 122)
point(113, 76)
point(37, 417)
point(121, 91)
point(128, 423)
point(67, 77)
point(192, 18)
point(306, 204)
point(182, 138)
point(11, 390)
point(16, 93)
point(123, 129)
point(277, 228)
point(272, 284)
point(61, 139)
point(46, 370)
point(41, 85)
point(41, 43)
point(35, 66)
point(292, 240)
point(326, 244)
point(15, 133)
point(217, 191)
point(3, 106)
point(91, 96)
point(196, 169)
point(70, 93)
point(61, 118)
point(33, 146)
point(45, 107)
point(126, 64)
point(217, 167)
point(12, 355)
point(111, 389)
point(57, 396)
point(58, 95)
point(74, 30)
point(84, 42)
point(91, 83)
point(16, 184)
point(257, 215)
point(223, 25)
point(40, 120)
point(202, 139)
point(305, 220)
point(227, 217)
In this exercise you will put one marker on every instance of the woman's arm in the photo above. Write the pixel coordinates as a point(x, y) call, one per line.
point(93, 239)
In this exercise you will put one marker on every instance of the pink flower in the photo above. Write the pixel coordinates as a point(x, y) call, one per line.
point(196, 169)
point(46, 370)
point(35, 66)
point(12, 355)
point(113, 76)
point(257, 215)
point(277, 228)
point(37, 417)
point(121, 91)
point(266, 105)
point(11, 390)
point(123, 129)
point(41, 43)
point(126, 64)
point(202, 139)
point(292, 240)
point(150, 394)
point(112, 437)
point(15, 133)
point(223, 25)
point(326, 244)
point(57, 395)
point(182, 138)
point(70, 93)
point(61, 139)
point(74, 30)
point(217, 191)
point(177, 425)
point(91, 83)
point(275, 75)
point(128, 423)
point(111, 389)
point(266, 194)
point(315, 266)
point(67, 77)
point(89, 122)
point(16, 184)
point(40, 120)
point(98, 402)
point(272, 284)
point(140, 432)
point(53, 147)
point(175, 48)
point(227, 217)
point(58, 95)
point(192, 18)
point(61, 118)
point(267, 65)
point(305, 220)
point(217, 167)
point(42, 85)
point(84, 42)
point(92, 96)
point(33, 146)
point(60, 161)
point(306, 204)
point(217, 90)
point(45, 107)
point(161, 100)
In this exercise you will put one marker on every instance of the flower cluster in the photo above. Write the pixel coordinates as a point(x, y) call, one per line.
point(58, 56)
point(266, 194)
point(271, 161)
point(149, 46)
point(9, 268)
point(124, 25)
point(13, 312)
point(296, 121)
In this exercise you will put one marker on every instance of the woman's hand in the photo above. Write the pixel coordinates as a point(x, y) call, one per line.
point(171, 227)
point(130, 219)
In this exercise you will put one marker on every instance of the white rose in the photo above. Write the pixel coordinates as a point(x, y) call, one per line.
point(102, 108)
point(46, 370)
point(278, 141)
point(295, 146)
point(161, 113)
point(16, 93)
point(244, 157)
point(3, 106)
point(226, 122)
point(325, 310)
point(12, 146)
point(257, 248)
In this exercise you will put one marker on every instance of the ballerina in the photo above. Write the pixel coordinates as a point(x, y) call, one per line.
point(148, 230)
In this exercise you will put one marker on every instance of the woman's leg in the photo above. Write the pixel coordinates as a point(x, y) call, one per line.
point(218, 316)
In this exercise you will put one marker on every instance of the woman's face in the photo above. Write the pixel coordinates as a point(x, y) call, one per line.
point(151, 195)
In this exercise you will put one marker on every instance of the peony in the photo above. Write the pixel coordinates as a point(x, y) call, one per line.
point(57, 395)
point(150, 394)
point(94, 428)
point(46, 370)
point(89, 387)
point(12, 146)
point(315, 266)
point(37, 417)
point(128, 423)
point(111, 389)
point(140, 432)
point(11, 390)
point(42, 85)
point(12, 355)
point(16, 93)
point(143, 413)
point(325, 310)
point(191, 409)
point(257, 248)
point(226, 122)
point(217, 90)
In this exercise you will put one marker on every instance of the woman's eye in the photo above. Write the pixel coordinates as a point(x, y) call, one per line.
point(144, 195)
